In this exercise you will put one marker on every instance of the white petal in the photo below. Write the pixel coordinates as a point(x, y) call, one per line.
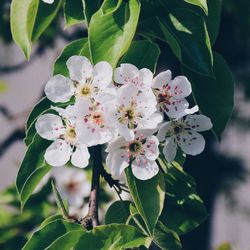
point(126, 73)
point(162, 79)
point(176, 108)
point(144, 169)
point(48, 1)
point(191, 142)
point(150, 122)
point(170, 149)
point(126, 93)
point(164, 129)
point(59, 89)
point(124, 131)
point(146, 77)
point(80, 68)
point(180, 87)
point(49, 126)
point(117, 162)
point(116, 144)
point(102, 74)
point(198, 122)
point(58, 153)
point(80, 158)
point(151, 148)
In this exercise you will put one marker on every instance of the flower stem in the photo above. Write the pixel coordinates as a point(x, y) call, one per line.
point(92, 220)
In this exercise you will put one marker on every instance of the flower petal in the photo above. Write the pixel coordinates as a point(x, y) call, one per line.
point(180, 87)
point(144, 169)
point(59, 89)
point(151, 148)
point(102, 74)
point(49, 126)
point(170, 149)
point(146, 78)
point(80, 68)
point(150, 122)
point(191, 142)
point(48, 1)
point(176, 108)
point(164, 129)
point(117, 162)
point(80, 158)
point(198, 122)
point(58, 153)
point(126, 73)
point(124, 131)
point(162, 79)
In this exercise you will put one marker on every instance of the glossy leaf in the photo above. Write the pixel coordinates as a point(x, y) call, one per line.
point(114, 236)
point(183, 208)
point(73, 12)
point(90, 7)
point(110, 35)
point(215, 97)
point(185, 32)
point(165, 238)
point(29, 18)
point(118, 212)
point(42, 238)
point(32, 169)
point(78, 47)
point(200, 3)
point(148, 196)
point(143, 54)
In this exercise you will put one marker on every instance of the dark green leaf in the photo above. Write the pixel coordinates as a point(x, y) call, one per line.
point(183, 208)
point(90, 7)
point(185, 32)
point(148, 197)
point(49, 233)
point(32, 169)
point(79, 47)
point(143, 54)
point(110, 35)
point(118, 212)
point(165, 238)
point(215, 97)
point(73, 12)
point(200, 3)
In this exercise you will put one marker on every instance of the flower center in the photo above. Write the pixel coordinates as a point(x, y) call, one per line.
point(135, 147)
point(86, 90)
point(97, 118)
point(70, 135)
point(72, 187)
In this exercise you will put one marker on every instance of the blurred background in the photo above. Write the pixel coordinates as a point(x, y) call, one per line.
point(221, 172)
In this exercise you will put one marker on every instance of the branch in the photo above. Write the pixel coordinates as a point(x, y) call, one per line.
point(92, 220)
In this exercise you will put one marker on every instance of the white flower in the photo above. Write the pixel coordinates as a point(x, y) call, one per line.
point(65, 141)
point(183, 133)
point(85, 81)
point(129, 74)
point(48, 1)
point(72, 185)
point(92, 125)
point(171, 94)
point(140, 153)
point(132, 110)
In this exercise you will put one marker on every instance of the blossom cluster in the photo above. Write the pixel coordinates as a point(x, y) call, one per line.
point(136, 114)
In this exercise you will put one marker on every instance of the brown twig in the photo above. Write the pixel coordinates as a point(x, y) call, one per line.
point(92, 220)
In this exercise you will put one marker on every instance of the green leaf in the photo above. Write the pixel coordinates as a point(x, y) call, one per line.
point(148, 197)
point(143, 54)
point(50, 219)
point(185, 32)
point(215, 97)
point(118, 212)
point(29, 18)
point(49, 233)
point(183, 208)
point(45, 15)
point(90, 7)
point(32, 169)
point(213, 19)
point(200, 3)
point(110, 35)
point(165, 238)
point(78, 47)
point(73, 12)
